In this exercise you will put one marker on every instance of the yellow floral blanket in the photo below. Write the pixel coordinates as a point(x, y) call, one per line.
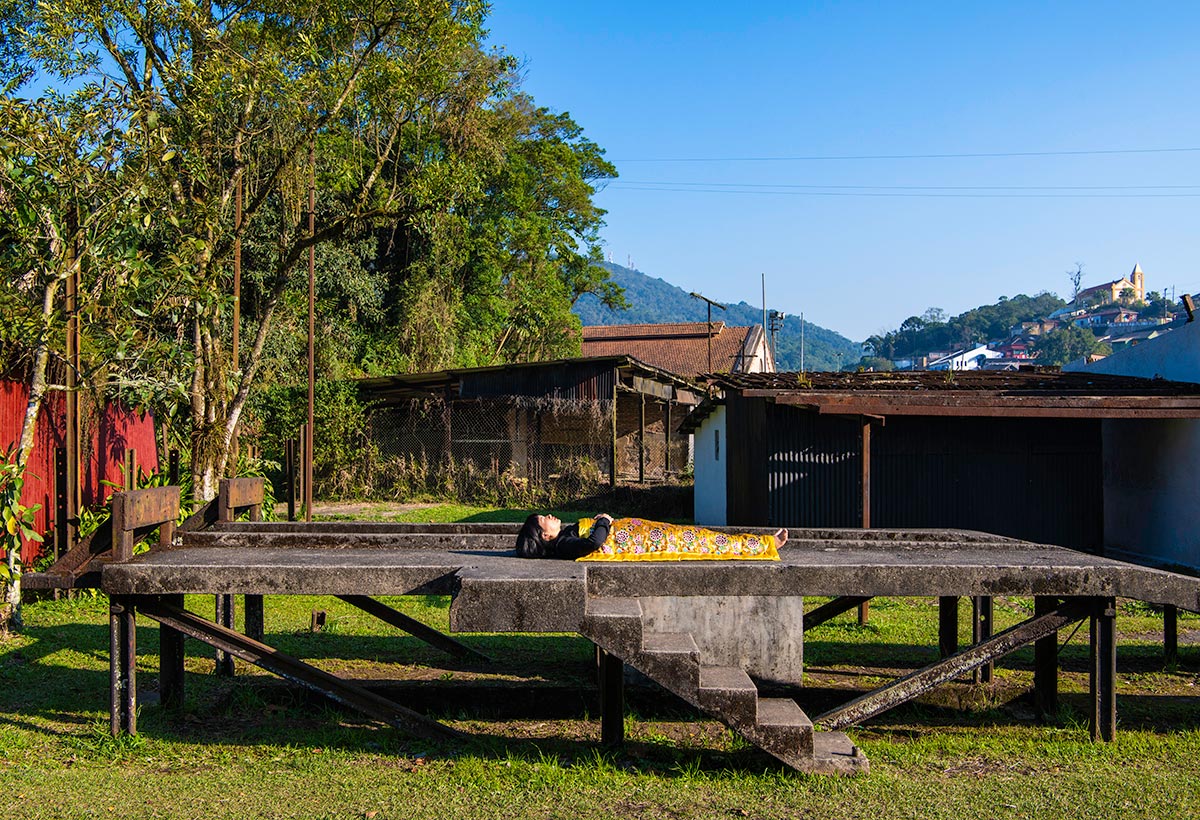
point(635, 539)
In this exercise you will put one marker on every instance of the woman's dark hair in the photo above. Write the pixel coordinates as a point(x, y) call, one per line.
point(530, 542)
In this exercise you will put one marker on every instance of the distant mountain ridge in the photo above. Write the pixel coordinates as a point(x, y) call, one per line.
point(654, 301)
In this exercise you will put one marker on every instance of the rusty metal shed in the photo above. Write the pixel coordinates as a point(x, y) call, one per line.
point(1016, 454)
point(621, 412)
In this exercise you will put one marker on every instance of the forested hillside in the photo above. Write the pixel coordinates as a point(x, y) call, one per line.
point(917, 335)
point(653, 301)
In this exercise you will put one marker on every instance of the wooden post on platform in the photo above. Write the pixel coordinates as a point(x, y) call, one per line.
point(1045, 663)
point(1170, 634)
point(612, 699)
point(947, 625)
point(981, 629)
point(1104, 670)
point(122, 665)
point(864, 609)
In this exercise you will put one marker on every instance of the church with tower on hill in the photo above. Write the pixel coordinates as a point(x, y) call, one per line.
point(1117, 290)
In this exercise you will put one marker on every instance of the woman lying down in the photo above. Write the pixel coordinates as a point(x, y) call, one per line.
point(635, 539)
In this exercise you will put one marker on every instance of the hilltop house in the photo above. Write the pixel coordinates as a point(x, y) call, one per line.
point(684, 348)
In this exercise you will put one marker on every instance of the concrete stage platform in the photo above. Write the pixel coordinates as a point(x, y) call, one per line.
point(495, 591)
point(709, 631)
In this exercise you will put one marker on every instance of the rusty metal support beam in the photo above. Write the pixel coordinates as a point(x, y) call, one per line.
point(1103, 687)
point(910, 686)
point(293, 669)
point(1170, 634)
point(982, 610)
point(832, 609)
point(947, 625)
point(254, 616)
point(170, 661)
point(223, 615)
point(1045, 664)
point(612, 699)
point(414, 627)
point(122, 667)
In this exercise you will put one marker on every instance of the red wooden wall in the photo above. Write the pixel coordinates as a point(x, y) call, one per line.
point(105, 443)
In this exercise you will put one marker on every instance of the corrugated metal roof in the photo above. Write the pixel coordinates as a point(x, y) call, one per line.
point(527, 378)
point(1020, 383)
point(1041, 394)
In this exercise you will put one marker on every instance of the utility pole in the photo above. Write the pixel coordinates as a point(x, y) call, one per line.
point(777, 318)
point(711, 305)
point(802, 342)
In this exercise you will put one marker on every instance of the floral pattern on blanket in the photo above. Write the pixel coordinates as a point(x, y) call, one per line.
point(636, 539)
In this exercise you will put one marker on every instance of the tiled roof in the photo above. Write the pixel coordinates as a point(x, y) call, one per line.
point(680, 347)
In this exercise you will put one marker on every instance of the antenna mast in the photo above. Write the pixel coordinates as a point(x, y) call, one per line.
point(711, 305)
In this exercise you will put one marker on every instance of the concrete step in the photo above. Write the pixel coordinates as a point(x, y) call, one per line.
point(614, 624)
point(835, 753)
point(782, 728)
point(671, 659)
point(728, 692)
point(614, 607)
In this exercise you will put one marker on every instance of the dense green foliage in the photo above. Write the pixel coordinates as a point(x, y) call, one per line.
point(653, 301)
point(454, 221)
point(918, 335)
point(1068, 344)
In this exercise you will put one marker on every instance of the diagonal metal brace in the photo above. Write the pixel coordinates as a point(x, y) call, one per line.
point(414, 627)
point(832, 609)
point(916, 683)
point(293, 669)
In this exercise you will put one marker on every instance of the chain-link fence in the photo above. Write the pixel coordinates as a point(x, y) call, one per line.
point(514, 449)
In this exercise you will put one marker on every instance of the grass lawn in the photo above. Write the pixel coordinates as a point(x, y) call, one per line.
point(253, 747)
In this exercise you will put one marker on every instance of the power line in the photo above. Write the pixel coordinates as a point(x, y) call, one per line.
point(910, 187)
point(972, 155)
point(902, 194)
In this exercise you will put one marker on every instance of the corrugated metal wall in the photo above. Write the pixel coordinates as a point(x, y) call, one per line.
point(116, 431)
point(1036, 479)
point(813, 469)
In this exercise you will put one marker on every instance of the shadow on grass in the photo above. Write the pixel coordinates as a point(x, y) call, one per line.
point(59, 673)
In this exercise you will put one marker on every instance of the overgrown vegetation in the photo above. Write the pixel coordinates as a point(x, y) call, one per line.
point(454, 222)
point(917, 335)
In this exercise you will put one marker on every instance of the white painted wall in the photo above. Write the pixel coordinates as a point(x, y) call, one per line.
point(1151, 509)
point(711, 451)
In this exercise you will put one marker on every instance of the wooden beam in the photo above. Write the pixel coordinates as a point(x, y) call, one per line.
point(1104, 669)
point(650, 387)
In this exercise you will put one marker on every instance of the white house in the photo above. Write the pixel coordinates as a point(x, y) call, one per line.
point(965, 359)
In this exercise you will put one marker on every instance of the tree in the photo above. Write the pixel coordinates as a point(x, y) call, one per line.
point(403, 108)
point(1058, 347)
point(1076, 276)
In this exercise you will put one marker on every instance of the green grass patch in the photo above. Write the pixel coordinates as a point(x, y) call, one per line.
point(251, 746)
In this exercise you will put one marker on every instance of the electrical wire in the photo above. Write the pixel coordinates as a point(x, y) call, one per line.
point(900, 194)
point(972, 155)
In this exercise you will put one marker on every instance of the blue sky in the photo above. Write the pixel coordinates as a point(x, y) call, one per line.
point(873, 241)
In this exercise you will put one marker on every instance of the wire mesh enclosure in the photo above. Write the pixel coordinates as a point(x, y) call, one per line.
point(431, 445)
